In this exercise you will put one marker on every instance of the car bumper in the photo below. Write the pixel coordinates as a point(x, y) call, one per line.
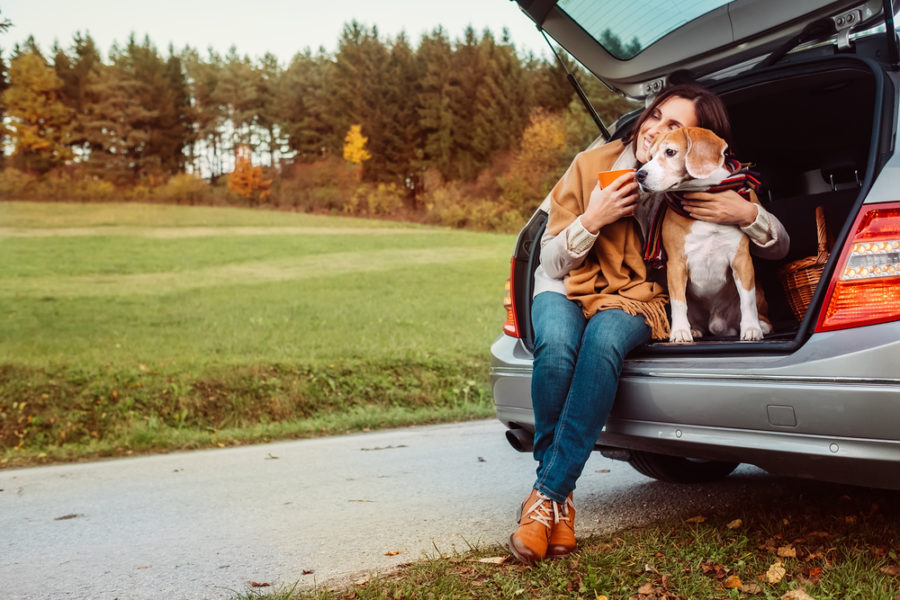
point(790, 414)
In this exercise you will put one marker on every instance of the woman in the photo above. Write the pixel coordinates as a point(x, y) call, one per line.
point(595, 301)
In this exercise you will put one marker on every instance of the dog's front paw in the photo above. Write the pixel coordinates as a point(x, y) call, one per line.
point(681, 336)
point(751, 334)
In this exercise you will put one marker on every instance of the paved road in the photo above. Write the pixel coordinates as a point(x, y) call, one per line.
point(203, 524)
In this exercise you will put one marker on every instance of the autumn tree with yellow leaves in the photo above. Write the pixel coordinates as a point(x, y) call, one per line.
point(39, 123)
point(248, 180)
point(355, 146)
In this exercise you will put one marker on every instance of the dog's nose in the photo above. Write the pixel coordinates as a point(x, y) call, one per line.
point(641, 175)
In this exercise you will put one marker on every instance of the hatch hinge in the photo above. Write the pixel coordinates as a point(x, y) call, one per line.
point(653, 87)
point(844, 23)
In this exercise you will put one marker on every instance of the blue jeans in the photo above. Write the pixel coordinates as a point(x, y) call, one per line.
point(577, 363)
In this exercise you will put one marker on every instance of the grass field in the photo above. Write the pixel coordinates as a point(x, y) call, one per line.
point(147, 327)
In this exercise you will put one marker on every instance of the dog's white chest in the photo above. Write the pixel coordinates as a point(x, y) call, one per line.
point(709, 249)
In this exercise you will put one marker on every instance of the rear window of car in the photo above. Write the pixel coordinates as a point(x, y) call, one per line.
point(624, 29)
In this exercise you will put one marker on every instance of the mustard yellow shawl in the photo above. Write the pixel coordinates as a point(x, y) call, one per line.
point(613, 274)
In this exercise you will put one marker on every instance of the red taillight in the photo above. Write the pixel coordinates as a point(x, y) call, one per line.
point(511, 326)
point(865, 288)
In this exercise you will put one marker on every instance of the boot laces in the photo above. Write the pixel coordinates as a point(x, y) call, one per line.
point(543, 510)
point(561, 512)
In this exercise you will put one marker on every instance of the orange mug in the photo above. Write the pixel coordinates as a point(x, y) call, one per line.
point(607, 177)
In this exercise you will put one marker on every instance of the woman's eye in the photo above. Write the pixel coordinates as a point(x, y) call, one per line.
point(670, 152)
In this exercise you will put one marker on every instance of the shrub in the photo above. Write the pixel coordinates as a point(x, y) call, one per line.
point(185, 188)
point(14, 184)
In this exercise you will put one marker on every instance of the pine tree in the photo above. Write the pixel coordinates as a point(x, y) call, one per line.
point(206, 115)
point(237, 92)
point(113, 126)
point(270, 74)
point(436, 119)
point(305, 107)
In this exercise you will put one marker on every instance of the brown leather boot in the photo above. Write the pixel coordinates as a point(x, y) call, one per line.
point(530, 540)
point(562, 534)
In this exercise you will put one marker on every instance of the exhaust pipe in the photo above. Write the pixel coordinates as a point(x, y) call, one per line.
point(520, 439)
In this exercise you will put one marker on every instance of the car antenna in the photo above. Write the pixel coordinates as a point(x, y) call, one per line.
point(578, 90)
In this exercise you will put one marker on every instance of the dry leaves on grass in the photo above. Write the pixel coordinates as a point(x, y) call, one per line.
point(697, 519)
point(797, 594)
point(776, 573)
point(494, 560)
point(786, 551)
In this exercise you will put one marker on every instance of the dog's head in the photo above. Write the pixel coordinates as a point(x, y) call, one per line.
point(684, 158)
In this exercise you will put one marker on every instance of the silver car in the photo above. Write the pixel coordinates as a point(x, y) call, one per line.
point(812, 90)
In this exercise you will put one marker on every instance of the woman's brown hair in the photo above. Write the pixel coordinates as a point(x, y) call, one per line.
point(711, 112)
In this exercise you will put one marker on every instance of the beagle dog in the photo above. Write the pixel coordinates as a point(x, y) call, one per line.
point(709, 269)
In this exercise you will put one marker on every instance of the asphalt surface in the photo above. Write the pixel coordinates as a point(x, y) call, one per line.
point(204, 524)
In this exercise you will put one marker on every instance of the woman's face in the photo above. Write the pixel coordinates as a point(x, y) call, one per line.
point(671, 114)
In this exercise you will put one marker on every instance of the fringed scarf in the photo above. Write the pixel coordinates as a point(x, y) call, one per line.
point(613, 274)
point(742, 180)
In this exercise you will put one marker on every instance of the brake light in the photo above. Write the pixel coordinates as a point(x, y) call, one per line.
point(865, 288)
point(511, 326)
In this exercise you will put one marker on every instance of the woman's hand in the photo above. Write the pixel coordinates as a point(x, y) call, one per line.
point(608, 205)
point(724, 208)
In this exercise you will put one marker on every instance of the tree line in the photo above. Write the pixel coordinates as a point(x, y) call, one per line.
point(435, 114)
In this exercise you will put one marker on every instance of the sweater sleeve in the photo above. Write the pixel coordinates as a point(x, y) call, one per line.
point(770, 239)
point(563, 252)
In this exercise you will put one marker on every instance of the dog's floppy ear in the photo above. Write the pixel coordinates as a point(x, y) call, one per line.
point(705, 152)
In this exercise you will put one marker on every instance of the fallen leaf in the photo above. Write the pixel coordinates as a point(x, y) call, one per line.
point(67, 517)
point(602, 471)
point(850, 519)
point(797, 595)
point(392, 553)
point(892, 570)
point(736, 524)
point(307, 572)
point(257, 584)
point(814, 574)
point(732, 582)
point(601, 598)
point(697, 519)
point(787, 552)
point(494, 560)
point(647, 588)
point(822, 534)
point(776, 573)
point(751, 588)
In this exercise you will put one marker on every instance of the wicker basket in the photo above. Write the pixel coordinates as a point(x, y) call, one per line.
point(801, 277)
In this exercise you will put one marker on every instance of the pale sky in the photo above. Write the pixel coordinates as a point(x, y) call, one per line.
point(255, 27)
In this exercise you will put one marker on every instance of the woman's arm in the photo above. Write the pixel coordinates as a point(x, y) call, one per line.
point(770, 239)
point(565, 251)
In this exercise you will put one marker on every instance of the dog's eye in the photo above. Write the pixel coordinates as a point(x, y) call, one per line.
point(670, 152)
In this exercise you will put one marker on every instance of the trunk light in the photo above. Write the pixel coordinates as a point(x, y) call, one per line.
point(511, 326)
point(866, 286)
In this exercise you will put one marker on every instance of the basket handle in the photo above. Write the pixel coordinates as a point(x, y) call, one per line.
point(822, 236)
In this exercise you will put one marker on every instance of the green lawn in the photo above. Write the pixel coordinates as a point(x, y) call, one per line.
point(152, 315)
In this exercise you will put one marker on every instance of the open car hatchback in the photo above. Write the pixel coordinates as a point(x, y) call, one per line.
point(811, 90)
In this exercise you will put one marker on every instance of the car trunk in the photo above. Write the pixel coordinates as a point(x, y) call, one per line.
point(813, 127)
